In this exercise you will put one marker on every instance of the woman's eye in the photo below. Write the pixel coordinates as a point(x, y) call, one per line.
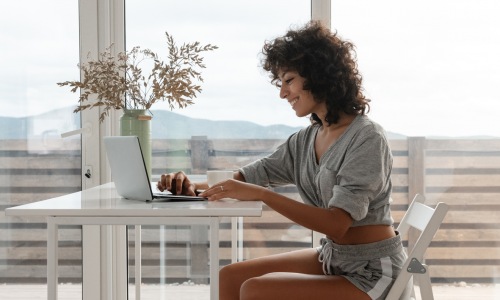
point(288, 81)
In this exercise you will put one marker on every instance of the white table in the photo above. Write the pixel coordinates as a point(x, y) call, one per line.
point(102, 206)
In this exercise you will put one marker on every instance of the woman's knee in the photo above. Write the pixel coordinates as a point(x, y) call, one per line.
point(250, 289)
point(227, 272)
point(231, 277)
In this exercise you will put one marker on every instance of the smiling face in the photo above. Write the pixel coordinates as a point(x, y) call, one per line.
point(302, 101)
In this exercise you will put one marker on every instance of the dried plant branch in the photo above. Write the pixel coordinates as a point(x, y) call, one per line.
point(119, 82)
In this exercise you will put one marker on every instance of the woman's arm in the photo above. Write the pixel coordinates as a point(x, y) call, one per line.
point(333, 222)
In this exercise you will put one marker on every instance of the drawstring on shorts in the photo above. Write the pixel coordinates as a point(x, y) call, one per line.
point(326, 255)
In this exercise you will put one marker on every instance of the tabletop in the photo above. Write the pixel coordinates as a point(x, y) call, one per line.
point(104, 201)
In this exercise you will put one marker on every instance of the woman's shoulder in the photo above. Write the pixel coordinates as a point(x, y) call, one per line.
point(363, 124)
point(365, 131)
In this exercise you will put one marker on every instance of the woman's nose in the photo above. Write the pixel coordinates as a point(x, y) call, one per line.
point(283, 92)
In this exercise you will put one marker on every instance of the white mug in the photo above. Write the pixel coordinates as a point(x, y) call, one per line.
point(217, 176)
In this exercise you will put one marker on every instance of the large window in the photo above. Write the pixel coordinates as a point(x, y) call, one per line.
point(431, 69)
point(225, 128)
point(39, 48)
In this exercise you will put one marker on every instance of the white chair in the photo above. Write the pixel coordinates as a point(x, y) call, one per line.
point(427, 220)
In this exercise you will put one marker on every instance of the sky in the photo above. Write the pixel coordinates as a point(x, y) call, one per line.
point(431, 68)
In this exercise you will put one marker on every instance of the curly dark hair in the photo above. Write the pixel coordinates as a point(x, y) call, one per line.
point(327, 63)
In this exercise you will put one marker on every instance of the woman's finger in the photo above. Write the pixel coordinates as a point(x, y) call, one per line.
point(217, 191)
point(163, 183)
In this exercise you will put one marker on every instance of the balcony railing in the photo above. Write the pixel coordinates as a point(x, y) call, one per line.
point(465, 173)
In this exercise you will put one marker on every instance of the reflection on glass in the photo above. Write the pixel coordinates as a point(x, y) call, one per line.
point(39, 48)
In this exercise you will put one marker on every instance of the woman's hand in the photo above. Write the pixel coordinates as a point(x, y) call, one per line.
point(177, 183)
point(234, 189)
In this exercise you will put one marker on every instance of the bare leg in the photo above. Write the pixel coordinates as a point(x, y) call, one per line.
point(277, 286)
point(293, 275)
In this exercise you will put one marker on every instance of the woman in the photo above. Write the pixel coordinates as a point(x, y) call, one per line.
point(341, 165)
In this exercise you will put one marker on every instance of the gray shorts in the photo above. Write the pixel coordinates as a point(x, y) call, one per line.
point(370, 267)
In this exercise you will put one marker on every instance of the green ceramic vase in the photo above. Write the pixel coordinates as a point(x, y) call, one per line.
point(137, 122)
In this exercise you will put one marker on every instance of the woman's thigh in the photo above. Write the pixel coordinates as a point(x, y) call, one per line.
point(232, 277)
point(287, 285)
point(300, 261)
point(293, 275)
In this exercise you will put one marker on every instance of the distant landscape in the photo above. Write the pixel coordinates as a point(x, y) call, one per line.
point(165, 125)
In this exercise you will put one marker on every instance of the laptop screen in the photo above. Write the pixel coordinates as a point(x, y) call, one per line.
point(128, 170)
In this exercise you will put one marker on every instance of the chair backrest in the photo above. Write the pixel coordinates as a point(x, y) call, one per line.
point(427, 220)
point(424, 218)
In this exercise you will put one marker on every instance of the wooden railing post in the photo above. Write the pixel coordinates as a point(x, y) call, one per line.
point(199, 234)
point(199, 154)
point(416, 175)
point(416, 167)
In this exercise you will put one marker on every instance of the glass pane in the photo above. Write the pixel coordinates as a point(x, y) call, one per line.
point(39, 48)
point(431, 68)
point(225, 128)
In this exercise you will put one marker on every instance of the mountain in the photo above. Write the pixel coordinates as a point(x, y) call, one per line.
point(165, 124)
point(170, 125)
point(12, 128)
point(49, 124)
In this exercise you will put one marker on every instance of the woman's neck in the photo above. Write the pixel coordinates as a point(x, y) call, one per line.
point(344, 121)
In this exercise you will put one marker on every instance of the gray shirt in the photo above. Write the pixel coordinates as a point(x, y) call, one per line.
point(354, 174)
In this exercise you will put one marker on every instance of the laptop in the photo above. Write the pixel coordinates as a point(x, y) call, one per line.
point(129, 174)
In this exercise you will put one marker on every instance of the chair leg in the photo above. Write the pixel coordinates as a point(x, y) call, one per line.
point(409, 292)
point(412, 289)
point(425, 286)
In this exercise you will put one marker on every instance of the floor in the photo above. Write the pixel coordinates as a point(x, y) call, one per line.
point(201, 292)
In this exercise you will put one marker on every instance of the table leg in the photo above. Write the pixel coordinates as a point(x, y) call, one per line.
point(52, 258)
point(138, 262)
point(214, 258)
point(120, 262)
point(240, 239)
point(92, 278)
point(234, 239)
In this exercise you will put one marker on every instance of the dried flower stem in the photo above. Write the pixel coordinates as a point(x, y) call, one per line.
point(119, 82)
